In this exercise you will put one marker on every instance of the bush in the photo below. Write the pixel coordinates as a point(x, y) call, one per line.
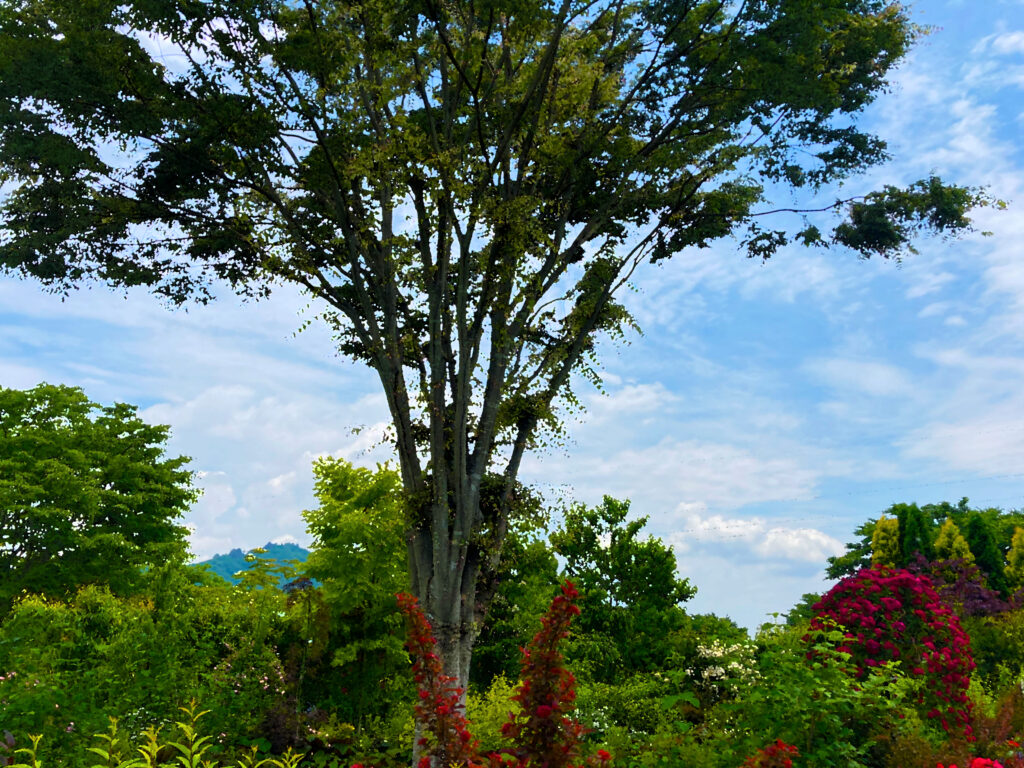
point(888, 616)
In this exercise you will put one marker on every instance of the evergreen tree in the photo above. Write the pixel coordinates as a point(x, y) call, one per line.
point(1015, 560)
point(950, 544)
point(987, 554)
point(915, 533)
point(885, 541)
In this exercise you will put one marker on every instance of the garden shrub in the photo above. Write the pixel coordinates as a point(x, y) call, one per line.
point(542, 734)
point(808, 700)
point(893, 615)
point(488, 711)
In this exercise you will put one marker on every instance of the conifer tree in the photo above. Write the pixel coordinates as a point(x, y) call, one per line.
point(915, 534)
point(885, 542)
point(950, 544)
point(1015, 560)
point(987, 553)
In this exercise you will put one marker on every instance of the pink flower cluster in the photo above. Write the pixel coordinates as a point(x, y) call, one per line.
point(896, 615)
point(978, 762)
point(545, 735)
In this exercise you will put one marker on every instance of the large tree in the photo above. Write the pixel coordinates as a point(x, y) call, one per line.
point(466, 185)
point(87, 495)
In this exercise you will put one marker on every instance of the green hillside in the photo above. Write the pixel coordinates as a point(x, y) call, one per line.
point(228, 565)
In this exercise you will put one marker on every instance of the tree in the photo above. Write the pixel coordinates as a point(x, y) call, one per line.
point(981, 536)
point(915, 532)
point(630, 595)
point(1015, 560)
point(86, 494)
point(858, 553)
point(885, 542)
point(527, 580)
point(465, 185)
point(950, 544)
point(358, 558)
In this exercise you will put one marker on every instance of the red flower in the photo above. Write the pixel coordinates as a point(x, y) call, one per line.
point(603, 755)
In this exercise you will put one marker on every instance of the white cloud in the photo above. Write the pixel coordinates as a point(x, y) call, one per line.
point(867, 377)
point(17, 376)
point(929, 282)
point(657, 478)
point(804, 544)
point(1003, 44)
point(762, 538)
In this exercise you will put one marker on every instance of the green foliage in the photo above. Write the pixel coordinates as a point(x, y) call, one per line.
point(1015, 560)
point(857, 555)
point(527, 579)
point(981, 532)
point(630, 594)
point(885, 542)
point(349, 632)
point(919, 531)
point(188, 747)
point(915, 533)
point(544, 153)
point(68, 665)
point(950, 543)
point(86, 495)
point(489, 711)
point(813, 703)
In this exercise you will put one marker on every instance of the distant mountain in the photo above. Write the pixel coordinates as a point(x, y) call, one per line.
point(226, 566)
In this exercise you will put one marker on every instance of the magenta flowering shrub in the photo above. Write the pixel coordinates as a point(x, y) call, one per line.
point(889, 615)
point(978, 762)
point(544, 736)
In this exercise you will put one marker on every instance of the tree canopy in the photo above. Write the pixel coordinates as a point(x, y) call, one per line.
point(630, 595)
point(87, 495)
point(466, 186)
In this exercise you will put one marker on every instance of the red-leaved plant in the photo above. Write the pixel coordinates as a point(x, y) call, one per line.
point(777, 755)
point(543, 735)
point(439, 710)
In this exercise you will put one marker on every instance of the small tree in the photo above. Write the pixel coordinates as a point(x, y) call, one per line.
point(988, 555)
point(888, 615)
point(950, 544)
point(915, 532)
point(358, 558)
point(86, 494)
point(630, 592)
point(1015, 560)
point(885, 542)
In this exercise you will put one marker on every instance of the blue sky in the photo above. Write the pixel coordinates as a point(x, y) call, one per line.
point(766, 411)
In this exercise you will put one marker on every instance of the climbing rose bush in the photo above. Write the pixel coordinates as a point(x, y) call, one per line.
point(543, 735)
point(891, 615)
